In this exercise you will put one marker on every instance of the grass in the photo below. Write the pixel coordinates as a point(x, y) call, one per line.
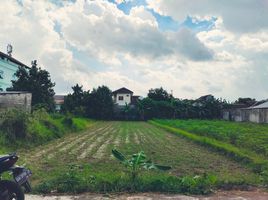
point(43, 129)
point(84, 162)
point(239, 152)
point(250, 136)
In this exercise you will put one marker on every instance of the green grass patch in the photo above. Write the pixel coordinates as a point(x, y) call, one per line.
point(21, 129)
point(250, 136)
point(95, 169)
point(257, 162)
point(77, 179)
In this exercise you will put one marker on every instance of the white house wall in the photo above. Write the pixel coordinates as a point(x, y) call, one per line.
point(126, 99)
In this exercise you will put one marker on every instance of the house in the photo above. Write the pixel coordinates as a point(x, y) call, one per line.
point(8, 68)
point(59, 100)
point(20, 100)
point(124, 96)
point(234, 112)
point(257, 113)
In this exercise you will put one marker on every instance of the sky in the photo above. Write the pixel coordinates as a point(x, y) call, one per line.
point(190, 48)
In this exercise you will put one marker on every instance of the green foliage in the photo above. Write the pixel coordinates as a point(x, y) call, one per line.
point(100, 103)
point(159, 94)
point(246, 101)
point(13, 124)
point(250, 136)
point(198, 184)
point(256, 161)
point(136, 163)
point(38, 82)
point(75, 103)
point(22, 128)
point(170, 108)
point(78, 178)
point(103, 174)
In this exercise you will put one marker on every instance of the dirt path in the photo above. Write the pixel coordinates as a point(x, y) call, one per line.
point(230, 195)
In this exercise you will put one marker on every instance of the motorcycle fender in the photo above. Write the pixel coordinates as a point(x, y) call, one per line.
point(21, 174)
point(16, 170)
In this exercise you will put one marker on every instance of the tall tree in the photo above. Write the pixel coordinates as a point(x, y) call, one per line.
point(246, 101)
point(75, 103)
point(100, 103)
point(159, 94)
point(38, 82)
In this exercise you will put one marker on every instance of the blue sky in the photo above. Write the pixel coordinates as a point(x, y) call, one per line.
point(193, 49)
point(167, 23)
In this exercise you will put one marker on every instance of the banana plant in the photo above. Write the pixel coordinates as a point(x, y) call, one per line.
point(137, 162)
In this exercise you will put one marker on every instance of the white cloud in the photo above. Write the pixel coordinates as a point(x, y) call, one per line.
point(237, 15)
point(130, 50)
point(108, 33)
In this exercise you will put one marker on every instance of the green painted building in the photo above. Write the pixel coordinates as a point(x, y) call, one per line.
point(8, 67)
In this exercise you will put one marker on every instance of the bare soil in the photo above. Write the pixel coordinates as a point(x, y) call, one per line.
point(221, 195)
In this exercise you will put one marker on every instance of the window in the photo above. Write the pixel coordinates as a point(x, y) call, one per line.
point(1, 74)
point(127, 95)
point(120, 98)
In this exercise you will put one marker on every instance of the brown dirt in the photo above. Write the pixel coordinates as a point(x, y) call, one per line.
point(221, 195)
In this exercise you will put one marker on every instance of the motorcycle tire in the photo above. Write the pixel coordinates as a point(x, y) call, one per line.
point(14, 190)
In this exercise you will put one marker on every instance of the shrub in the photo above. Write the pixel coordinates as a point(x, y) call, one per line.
point(136, 163)
point(68, 121)
point(81, 179)
point(14, 124)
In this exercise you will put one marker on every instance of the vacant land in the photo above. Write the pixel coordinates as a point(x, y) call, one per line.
point(91, 150)
point(249, 136)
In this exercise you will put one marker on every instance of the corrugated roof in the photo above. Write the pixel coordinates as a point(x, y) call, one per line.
point(263, 105)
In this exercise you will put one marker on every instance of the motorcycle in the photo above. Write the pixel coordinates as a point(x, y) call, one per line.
point(12, 190)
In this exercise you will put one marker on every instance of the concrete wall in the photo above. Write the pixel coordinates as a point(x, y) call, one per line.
point(246, 115)
point(15, 100)
point(263, 115)
point(233, 115)
point(254, 116)
point(226, 115)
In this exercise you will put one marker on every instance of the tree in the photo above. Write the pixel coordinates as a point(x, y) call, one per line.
point(38, 82)
point(159, 94)
point(146, 108)
point(100, 103)
point(246, 101)
point(75, 103)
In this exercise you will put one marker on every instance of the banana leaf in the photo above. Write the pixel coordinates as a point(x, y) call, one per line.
point(118, 155)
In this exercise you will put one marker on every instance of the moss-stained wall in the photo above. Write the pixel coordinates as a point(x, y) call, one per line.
point(20, 100)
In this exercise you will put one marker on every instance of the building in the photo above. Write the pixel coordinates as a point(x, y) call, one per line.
point(8, 68)
point(20, 100)
point(234, 112)
point(59, 100)
point(122, 96)
point(257, 113)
